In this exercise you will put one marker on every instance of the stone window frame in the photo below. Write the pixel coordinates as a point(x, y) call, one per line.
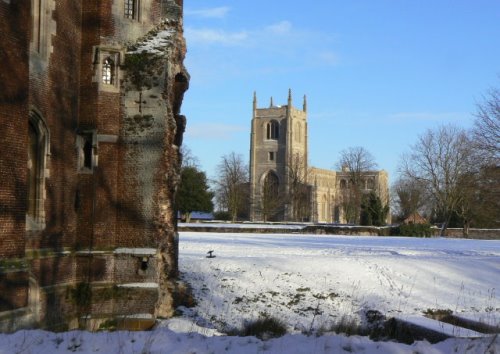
point(271, 156)
point(35, 220)
point(42, 27)
point(272, 130)
point(113, 56)
point(86, 151)
point(132, 9)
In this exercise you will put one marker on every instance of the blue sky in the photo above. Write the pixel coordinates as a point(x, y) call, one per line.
point(377, 73)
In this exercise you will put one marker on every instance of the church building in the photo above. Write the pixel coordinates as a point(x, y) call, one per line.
point(283, 187)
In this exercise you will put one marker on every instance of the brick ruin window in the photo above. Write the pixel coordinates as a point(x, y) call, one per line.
point(85, 145)
point(131, 9)
point(108, 68)
point(272, 130)
point(38, 151)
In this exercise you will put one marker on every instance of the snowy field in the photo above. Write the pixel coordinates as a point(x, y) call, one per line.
point(309, 282)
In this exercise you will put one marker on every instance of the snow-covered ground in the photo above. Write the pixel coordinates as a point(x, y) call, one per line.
point(309, 282)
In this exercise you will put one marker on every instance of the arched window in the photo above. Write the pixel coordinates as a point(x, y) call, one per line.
point(324, 216)
point(38, 149)
point(108, 69)
point(271, 185)
point(370, 183)
point(272, 130)
point(343, 184)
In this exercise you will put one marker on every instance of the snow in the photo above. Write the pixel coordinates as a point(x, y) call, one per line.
point(240, 226)
point(139, 285)
point(441, 327)
point(136, 251)
point(309, 282)
point(155, 44)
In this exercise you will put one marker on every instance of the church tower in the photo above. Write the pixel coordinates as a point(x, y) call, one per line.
point(278, 140)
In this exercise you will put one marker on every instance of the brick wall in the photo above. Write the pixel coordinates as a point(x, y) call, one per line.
point(13, 116)
point(87, 215)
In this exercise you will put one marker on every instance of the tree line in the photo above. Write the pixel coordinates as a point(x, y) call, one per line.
point(450, 176)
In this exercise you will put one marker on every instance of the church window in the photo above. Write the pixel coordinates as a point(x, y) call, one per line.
point(271, 155)
point(271, 185)
point(370, 183)
point(272, 130)
point(38, 143)
point(131, 9)
point(108, 68)
point(343, 184)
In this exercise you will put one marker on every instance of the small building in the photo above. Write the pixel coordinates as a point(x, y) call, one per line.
point(415, 218)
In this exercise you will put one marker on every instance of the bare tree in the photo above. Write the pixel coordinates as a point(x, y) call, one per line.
point(232, 184)
point(440, 160)
point(298, 190)
point(354, 160)
point(486, 130)
point(188, 158)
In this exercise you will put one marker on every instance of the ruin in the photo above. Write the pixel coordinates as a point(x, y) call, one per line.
point(90, 99)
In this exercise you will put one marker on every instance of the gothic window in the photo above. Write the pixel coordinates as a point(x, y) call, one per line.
point(271, 155)
point(38, 143)
point(325, 209)
point(370, 183)
point(85, 144)
point(343, 184)
point(272, 130)
point(131, 9)
point(271, 185)
point(107, 73)
point(108, 68)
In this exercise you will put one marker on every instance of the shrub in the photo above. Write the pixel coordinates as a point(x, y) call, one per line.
point(222, 215)
point(417, 230)
point(264, 328)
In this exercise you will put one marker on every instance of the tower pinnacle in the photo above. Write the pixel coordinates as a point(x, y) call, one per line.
point(289, 96)
point(304, 106)
point(254, 100)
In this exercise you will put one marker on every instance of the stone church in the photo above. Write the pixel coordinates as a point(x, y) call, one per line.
point(282, 185)
point(90, 98)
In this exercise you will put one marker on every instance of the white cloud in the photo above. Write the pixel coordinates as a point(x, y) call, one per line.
point(281, 28)
point(215, 131)
point(215, 12)
point(210, 36)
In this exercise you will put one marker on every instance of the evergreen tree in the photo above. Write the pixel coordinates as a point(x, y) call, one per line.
point(372, 210)
point(193, 193)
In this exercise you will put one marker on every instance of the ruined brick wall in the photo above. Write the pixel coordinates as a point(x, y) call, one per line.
point(14, 104)
point(108, 226)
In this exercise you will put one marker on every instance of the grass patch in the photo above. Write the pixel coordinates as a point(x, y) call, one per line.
point(264, 328)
